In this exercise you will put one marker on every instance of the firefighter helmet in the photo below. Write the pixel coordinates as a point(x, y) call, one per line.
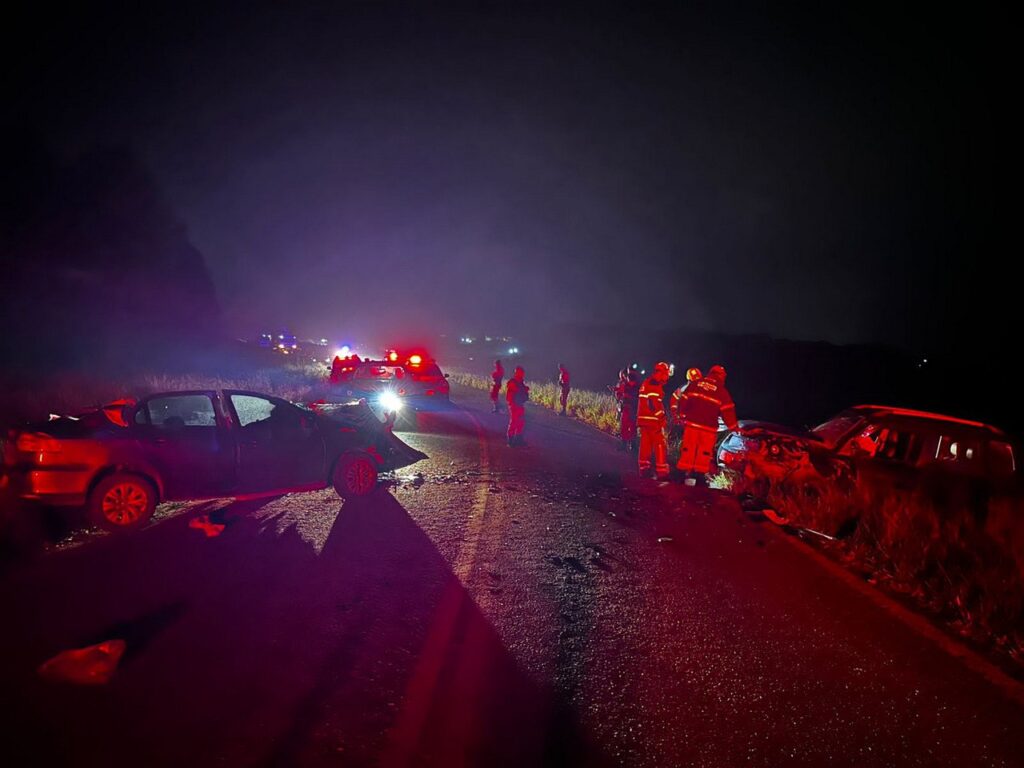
point(717, 372)
point(693, 374)
point(661, 371)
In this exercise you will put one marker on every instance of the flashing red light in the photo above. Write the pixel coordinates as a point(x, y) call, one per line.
point(415, 360)
point(392, 356)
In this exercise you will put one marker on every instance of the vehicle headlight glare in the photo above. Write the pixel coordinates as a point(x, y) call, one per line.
point(389, 401)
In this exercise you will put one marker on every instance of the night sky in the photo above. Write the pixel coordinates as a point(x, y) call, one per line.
point(810, 174)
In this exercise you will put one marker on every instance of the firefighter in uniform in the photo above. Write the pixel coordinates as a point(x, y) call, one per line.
point(651, 421)
point(563, 383)
point(516, 395)
point(702, 403)
point(497, 376)
point(627, 393)
point(679, 397)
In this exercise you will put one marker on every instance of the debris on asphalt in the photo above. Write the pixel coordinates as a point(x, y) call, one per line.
point(207, 526)
point(92, 665)
point(664, 539)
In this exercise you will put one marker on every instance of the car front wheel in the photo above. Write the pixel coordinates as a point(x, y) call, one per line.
point(355, 475)
point(121, 502)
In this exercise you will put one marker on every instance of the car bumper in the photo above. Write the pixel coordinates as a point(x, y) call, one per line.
point(56, 485)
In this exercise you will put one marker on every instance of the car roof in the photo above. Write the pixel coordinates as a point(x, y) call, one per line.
point(887, 410)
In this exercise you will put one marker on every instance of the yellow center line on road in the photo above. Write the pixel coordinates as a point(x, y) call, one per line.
point(410, 724)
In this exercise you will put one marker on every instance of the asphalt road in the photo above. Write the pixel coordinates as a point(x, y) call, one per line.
point(495, 606)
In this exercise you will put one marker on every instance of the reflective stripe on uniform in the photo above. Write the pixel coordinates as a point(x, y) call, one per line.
point(695, 425)
point(710, 399)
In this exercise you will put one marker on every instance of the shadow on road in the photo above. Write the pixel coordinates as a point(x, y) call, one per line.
point(253, 648)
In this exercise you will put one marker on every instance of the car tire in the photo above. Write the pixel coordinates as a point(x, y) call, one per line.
point(121, 502)
point(355, 475)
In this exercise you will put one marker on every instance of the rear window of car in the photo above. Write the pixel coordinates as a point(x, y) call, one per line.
point(430, 370)
point(380, 372)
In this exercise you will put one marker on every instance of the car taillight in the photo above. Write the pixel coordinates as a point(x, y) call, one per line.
point(37, 442)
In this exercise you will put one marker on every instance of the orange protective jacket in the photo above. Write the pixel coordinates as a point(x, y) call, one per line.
point(651, 410)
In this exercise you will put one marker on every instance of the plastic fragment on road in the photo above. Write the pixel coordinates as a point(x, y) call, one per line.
point(664, 539)
point(93, 665)
point(207, 526)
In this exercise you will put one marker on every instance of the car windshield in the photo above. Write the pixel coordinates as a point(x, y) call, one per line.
point(832, 430)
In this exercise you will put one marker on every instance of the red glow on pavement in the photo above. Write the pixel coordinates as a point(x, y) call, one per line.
point(94, 665)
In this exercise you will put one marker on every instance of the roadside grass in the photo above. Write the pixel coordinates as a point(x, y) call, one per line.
point(954, 550)
point(594, 408)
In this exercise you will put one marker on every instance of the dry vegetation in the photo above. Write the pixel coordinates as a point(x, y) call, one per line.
point(594, 408)
point(954, 549)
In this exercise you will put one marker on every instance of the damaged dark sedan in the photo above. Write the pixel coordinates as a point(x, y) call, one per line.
point(119, 461)
point(821, 478)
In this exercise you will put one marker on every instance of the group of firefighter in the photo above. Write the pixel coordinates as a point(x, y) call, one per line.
point(694, 408)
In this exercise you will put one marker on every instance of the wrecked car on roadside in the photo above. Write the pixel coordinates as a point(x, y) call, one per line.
point(119, 461)
point(822, 478)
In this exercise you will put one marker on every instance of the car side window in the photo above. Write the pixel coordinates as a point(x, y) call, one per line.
point(251, 409)
point(866, 442)
point(957, 449)
point(281, 419)
point(181, 411)
point(898, 445)
point(1001, 461)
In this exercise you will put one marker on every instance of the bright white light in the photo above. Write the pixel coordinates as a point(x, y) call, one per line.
point(390, 402)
